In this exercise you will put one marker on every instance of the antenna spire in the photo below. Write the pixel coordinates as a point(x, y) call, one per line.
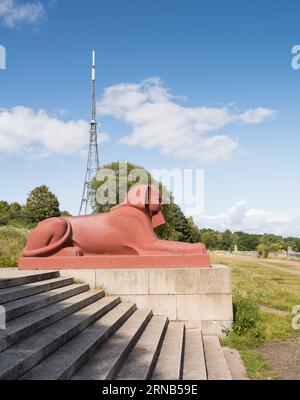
point(88, 201)
point(93, 87)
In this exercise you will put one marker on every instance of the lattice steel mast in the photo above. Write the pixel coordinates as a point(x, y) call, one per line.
point(88, 196)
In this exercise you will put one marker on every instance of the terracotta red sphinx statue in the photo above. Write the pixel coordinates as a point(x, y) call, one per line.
point(124, 237)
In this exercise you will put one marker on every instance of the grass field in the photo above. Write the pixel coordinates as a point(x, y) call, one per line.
point(12, 242)
point(256, 284)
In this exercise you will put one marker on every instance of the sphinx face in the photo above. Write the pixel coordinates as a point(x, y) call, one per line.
point(147, 198)
point(155, 207)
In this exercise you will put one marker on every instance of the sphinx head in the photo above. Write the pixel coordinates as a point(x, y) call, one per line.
point(147, 198)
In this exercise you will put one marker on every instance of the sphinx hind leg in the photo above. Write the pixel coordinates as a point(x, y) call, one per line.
point(47, 237)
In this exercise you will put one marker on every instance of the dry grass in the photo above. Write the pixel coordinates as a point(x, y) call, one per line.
point(12, 242)
point(272, 288)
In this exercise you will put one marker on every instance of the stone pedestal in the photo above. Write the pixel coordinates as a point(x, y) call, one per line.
point(201, 297)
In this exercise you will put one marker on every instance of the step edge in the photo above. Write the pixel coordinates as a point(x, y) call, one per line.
point(78, 289)
point(21, 334)
point(34, 358)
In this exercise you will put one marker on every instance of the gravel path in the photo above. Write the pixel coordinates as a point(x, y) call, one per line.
point(271, 310)
point(284, 358)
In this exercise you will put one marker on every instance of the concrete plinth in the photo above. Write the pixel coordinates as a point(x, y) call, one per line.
point(201, 297)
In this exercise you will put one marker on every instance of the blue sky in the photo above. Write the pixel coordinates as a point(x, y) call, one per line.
point(218, 70)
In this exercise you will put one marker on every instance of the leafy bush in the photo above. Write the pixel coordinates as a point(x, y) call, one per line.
point(248, 330)
point(4, 219)
point(270, 244)
point(246, 314)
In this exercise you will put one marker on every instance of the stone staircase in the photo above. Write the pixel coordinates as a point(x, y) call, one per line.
point(57, 329)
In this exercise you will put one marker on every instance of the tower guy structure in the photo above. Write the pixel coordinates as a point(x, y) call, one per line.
point(88, 196)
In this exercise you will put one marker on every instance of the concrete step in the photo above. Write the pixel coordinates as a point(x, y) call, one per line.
point(17, 308)
point(235, 364)
point(22, 327)
point(17, 278)
point(105, 362)
point(169, 364)
point(17, 360)
point(68, 359)
point(142, 359)
point(194, 364)
point(30, 289)
point(217, 368)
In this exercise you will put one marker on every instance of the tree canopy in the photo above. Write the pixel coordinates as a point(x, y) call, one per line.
point(41, 204)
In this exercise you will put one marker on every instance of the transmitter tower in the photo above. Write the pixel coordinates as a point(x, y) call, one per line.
point(88, 200)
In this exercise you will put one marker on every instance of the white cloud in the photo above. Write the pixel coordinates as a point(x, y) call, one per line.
point(256, 115)
point(159, 121)
point(24, 130)
point(13, 13)
point(241, 217)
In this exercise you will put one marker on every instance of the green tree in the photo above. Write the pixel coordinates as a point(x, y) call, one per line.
point(172, 229)
point(65, 213)
point(4, 207)
point(15, 215)
point(263, 250)
point(226, 242)
point(209, 238)
point(178, 226)
point(15, 208)
point(41, 204)
point(246, 241)
point(293, 243)
point(195, 234)
point(270, 244)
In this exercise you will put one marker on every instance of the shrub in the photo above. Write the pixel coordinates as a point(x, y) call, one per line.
point(248, 330)
point(246, 314)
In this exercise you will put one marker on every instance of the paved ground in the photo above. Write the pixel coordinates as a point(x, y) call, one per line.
point(284, 357)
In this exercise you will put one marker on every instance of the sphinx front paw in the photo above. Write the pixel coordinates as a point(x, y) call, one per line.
point(78, 252)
